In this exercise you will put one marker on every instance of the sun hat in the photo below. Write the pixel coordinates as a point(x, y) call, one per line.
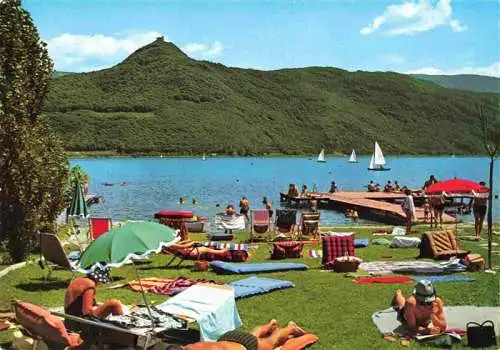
point(424, 291)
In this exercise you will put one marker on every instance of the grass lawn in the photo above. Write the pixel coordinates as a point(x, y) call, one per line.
point(328, 304)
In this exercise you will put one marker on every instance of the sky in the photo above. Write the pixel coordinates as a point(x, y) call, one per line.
point(408, 36)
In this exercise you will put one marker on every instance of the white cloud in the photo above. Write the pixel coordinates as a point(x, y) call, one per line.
point(413, 17)
point(203, 50)
point(70, 51)
point(492, 70)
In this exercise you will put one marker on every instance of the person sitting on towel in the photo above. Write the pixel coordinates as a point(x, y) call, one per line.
point(423, 311)
point(80, 299)
point(265, 337)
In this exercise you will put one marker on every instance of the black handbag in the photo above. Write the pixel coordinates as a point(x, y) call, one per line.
point(481, 335)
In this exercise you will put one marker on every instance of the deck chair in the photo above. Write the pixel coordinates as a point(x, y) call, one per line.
point(52, 251)
point(309, 225)
point(192, 253)
point(286, 222)
point(99, 226)
point(41, 325)
point(260, 223)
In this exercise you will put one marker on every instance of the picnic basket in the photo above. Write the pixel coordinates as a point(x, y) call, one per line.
point(346, 263)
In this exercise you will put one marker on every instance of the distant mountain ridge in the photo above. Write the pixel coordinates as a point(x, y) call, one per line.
point(471, 82)
point(58, 74)
point(160, 100)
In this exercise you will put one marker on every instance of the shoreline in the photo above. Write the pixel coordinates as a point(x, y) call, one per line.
point(111, 154)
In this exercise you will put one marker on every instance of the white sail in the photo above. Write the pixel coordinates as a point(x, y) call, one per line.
point(352, 158)
point(372, 162)
point(204, 156)
point(379, 156)
point(321, 156)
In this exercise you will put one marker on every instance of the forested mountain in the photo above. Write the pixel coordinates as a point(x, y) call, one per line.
point(160, 100)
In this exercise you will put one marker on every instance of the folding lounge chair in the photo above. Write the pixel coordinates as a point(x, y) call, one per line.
point(98, 227)
point(259, 223)
point(286, 222)
point(41, 325)
point(192, 253)
point(309, 224)
point(53, 252)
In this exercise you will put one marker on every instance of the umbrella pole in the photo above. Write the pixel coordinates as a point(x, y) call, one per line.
point(144, 296)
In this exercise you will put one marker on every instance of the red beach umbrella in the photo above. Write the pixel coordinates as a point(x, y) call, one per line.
point(456, 186)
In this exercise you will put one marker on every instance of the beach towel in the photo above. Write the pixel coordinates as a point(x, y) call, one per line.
point(456, 316)
point(388, 267)
point(233, 246)
point(385, 279)
point(224, 267)
point(257, 285)
point(435, 279)
point(213, 308)
point(230, 222)
point(315, 253)
point(167, 286)
point(361, 242)
point(380, 241)
point(405, 242)
point(398, 231)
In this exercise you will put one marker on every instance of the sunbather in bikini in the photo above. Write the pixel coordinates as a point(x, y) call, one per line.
point(196, 250)
point(265, 337)
point(422, 312)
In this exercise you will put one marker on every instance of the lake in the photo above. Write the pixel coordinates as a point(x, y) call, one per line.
point(157, 183)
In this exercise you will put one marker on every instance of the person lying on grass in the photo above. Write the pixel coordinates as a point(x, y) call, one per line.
point(266, 337)
point(421, 312)
point(80, 299)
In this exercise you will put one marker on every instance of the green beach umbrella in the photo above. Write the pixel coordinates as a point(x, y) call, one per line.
point(134, 240)
point(78, 205)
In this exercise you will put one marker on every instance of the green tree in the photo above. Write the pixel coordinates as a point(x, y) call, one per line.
point(33, 165)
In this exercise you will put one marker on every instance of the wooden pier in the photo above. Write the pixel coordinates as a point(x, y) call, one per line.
point(377, 206)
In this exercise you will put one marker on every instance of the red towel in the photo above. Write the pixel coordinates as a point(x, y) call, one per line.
point(383, 279)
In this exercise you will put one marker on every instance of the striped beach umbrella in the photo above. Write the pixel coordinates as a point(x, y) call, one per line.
point(78, 205)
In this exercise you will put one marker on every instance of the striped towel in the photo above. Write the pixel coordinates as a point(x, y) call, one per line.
point(315, 253)
point(234, 246)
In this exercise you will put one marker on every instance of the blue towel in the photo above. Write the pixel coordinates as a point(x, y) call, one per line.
point(214, 309)
point(434, 279)
point(224, 267)
point(361, 242)
point(257, 285)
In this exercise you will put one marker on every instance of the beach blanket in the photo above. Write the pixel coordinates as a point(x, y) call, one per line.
point(233, 246)
point(257, 285)
point(456, 316)
point(380, 241)
point(315, 253)
point(167, 286)
point(230, 222)
point(385, 279)
point(224, 267)
point(214, 308)
point(405, 242)
point(389, 267)
point(435, 279)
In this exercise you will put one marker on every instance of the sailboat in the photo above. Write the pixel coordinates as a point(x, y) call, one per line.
point(204, 157)
point(377, 162)
point(321, 156)
point(352, 158)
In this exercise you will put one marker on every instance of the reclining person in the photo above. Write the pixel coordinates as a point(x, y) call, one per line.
point(265, 337)
point(80, 299)
point(195, 249)
point(421, 312)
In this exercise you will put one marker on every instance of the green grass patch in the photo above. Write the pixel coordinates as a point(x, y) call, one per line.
point(328, 304)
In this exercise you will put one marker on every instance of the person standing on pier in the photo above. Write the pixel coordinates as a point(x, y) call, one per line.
point(408, 207)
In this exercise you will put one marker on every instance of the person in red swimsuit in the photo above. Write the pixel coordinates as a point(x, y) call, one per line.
point(80, 301)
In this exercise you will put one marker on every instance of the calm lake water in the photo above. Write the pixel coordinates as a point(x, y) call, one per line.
point(157, 183)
